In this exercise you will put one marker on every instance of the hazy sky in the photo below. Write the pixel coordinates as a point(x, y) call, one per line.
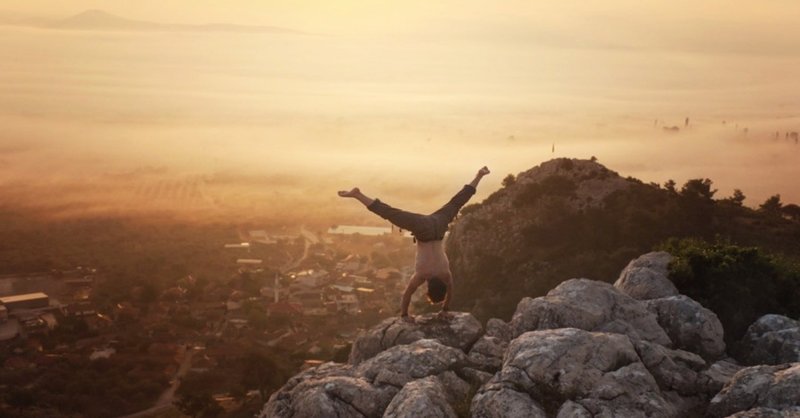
point(405, 99)
point(671, 21)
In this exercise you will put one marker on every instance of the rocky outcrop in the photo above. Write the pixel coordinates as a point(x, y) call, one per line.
point(760, 391)
point(588, 305)
point(772, 339)
point(423, 398)
point(368, 389)
point(586, 349)
point(689, 325)
point(461, 331)
point(647, 277)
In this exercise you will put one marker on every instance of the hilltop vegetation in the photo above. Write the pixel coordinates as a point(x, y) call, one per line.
point(576, 218)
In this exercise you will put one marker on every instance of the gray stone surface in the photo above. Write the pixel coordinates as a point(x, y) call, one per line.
point(772, 339)
point(601, 372)
point(461, 331)
point(496, 400)
point(584, 350)
point(774, 387)
point(487, 353)
point(689, 325)
point(588, 305)
point(422, 398)
point(768, 413)
point(404, 363)
point(647, 277)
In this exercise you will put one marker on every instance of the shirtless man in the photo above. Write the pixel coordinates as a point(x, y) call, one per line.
point(432, 266)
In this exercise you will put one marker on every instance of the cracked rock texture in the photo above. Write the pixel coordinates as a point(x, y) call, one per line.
point(689, 325)
point(461, 332)
point(765, 388)
point(647, 277)
point(586, 349)
point(588, 305)
point(772, 339)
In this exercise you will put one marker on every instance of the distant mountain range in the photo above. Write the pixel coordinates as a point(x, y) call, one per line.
point(102, 20)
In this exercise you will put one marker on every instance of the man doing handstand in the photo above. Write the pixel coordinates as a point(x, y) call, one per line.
point(431, 265)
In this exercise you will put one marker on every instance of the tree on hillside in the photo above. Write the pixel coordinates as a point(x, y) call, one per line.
point(697, 204)
point(509, 180)
point(791, 211)
point(698, 189)
point(772, 206)
point(669, 185)
point(737, 198)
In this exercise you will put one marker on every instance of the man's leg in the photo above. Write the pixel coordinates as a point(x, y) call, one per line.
point(451, 208)
point(410, 221)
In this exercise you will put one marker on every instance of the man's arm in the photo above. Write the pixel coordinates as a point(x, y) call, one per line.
point(413, 284)
point(482, 172)
point(448, 281)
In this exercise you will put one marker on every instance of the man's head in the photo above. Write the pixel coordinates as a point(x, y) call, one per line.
point(437, 289)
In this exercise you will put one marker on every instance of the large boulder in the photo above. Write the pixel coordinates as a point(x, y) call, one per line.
point(689, 325)
point(772, 339)
point(588, 305)
point(368, 389)
point(423, 398)
point(487, 353)
point(720, 373)
point(404, 363)
point(502, 400)
point(460, 331)
point(328, 390)
point(770, 387)
point(647, 277)
point(601, 372)
point(768, 413)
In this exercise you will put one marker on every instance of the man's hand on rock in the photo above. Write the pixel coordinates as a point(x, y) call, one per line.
point(408, 318)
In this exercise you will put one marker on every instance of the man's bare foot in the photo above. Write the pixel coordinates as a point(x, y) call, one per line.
point(352, 193)
point(483, 171)
point(408, 318)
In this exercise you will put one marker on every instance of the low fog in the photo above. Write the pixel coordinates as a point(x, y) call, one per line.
point(221, 125)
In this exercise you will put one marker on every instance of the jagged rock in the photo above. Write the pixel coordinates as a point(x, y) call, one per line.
point(487, 353)
point(720, 373)
point(674, 370)
point(404, 363)
point(499, 329)
point(588, 305)
point(600, 371)
point(647, 277)
point(423, 398)
point(456, 390)
point(367, 389)
point(328, 390)
point(689, 325)
point(768, 413)
point(460, 331)
point(573, 410)
point(774, 387)
point(475, 377)
point(772, 339)
point(498, 400)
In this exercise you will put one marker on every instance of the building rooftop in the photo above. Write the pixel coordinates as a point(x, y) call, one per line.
point(23, 297)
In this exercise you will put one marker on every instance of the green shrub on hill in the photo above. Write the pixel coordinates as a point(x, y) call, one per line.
point(740, 284)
